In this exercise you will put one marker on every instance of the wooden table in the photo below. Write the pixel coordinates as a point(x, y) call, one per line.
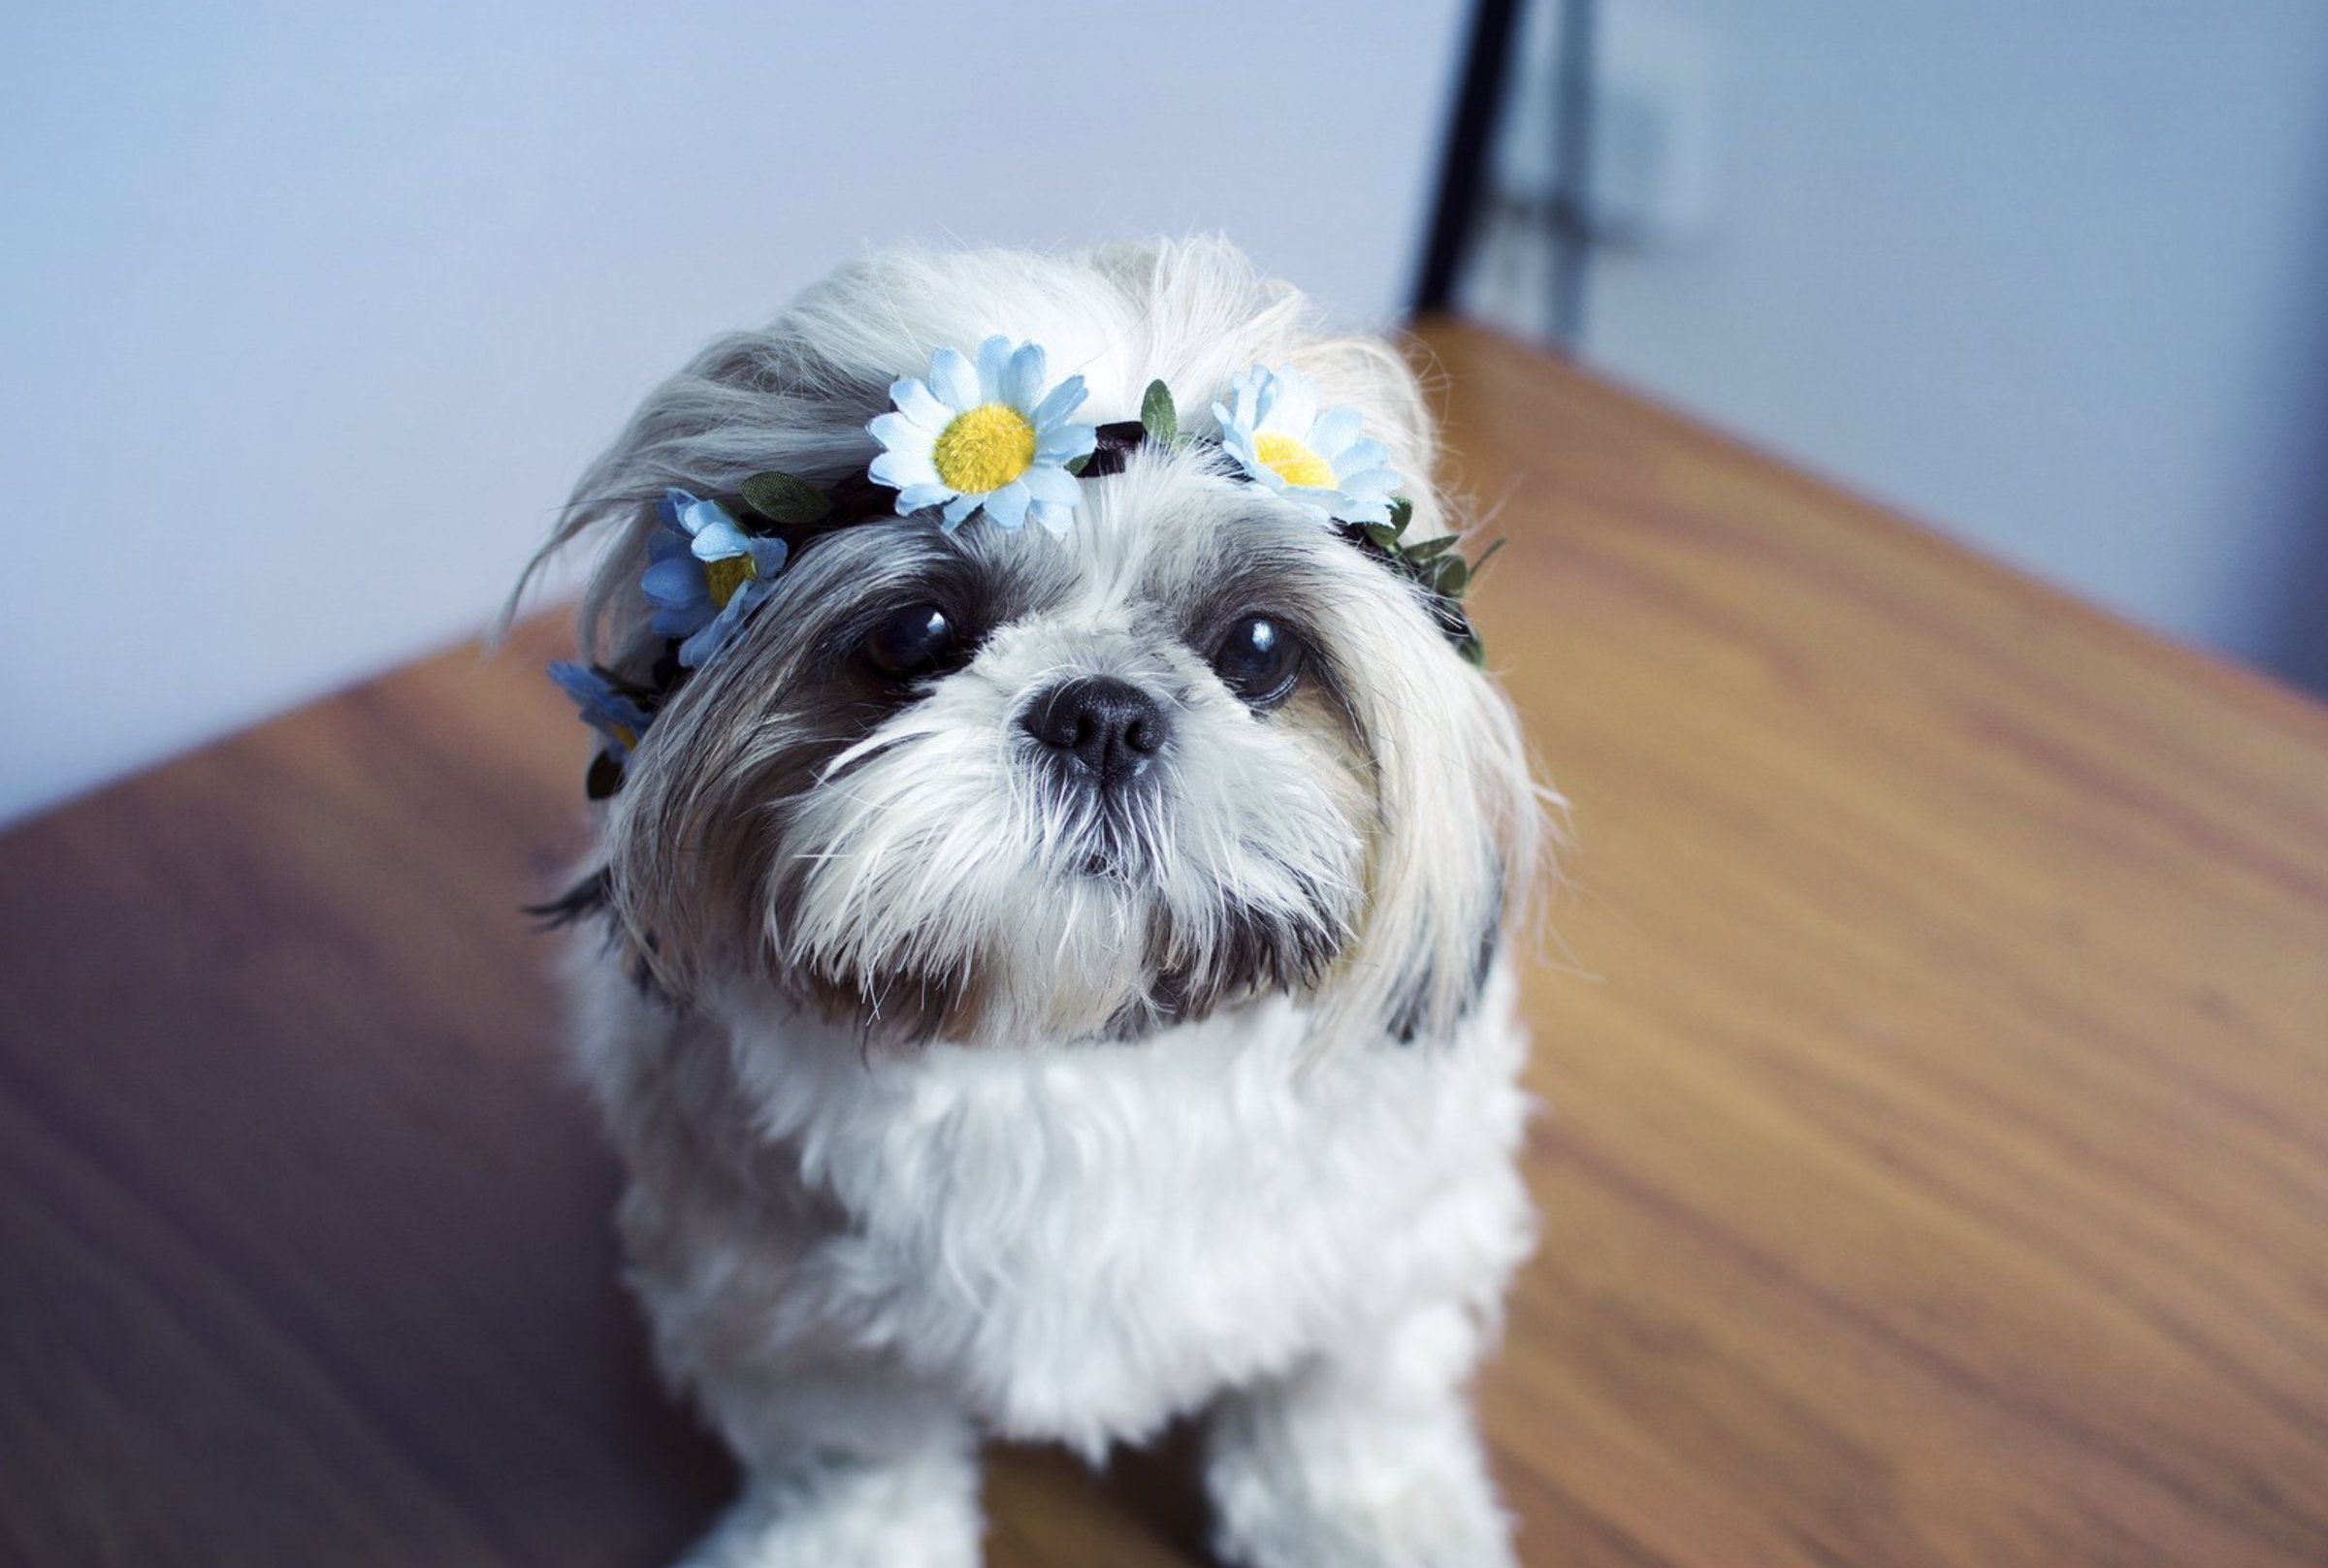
point(1936, 1023)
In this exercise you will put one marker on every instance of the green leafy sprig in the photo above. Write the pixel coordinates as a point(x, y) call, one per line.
point(781, 498)
point(1437, 567)
point(1159, 416)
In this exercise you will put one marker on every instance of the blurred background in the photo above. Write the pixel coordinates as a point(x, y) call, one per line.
point(309, 315)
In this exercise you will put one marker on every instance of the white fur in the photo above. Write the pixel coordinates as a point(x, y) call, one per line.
point(1080, 1244)
point(861, 1257)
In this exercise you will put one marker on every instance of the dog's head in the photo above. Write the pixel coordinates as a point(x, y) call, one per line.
point(1196, 748)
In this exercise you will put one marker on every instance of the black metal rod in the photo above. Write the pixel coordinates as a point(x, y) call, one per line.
point(1462, 167)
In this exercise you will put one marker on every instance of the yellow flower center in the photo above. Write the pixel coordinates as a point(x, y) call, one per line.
point(628, 736)
point(725, 577)
point(984, 449)
point(1292, 461)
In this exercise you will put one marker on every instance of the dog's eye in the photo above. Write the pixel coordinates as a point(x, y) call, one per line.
point(1259, 660)
point(913, 641)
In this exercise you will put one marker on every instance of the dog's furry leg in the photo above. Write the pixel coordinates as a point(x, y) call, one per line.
point(1369, 1458)
point(845, 1470)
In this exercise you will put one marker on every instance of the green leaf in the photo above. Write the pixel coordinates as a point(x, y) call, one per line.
point(1158, 416)
point(1486, 556)
point(1382, 535)
point(1077, 465)
point(1449, 575)
point(782, 498)
point(1473, 650)
point(1429, 548)
point(1402, 513)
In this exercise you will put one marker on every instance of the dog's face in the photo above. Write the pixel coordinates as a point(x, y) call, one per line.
point(1013, 786)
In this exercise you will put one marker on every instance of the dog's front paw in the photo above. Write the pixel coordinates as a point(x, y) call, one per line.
point(848, 1515)
point(1315, 1488)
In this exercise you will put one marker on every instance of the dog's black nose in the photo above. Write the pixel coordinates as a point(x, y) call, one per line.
point(1099, 723)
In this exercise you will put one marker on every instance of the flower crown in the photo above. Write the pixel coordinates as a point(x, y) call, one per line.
point(993, 436)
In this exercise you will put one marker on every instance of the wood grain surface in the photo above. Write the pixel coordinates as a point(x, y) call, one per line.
point(1935, 1021)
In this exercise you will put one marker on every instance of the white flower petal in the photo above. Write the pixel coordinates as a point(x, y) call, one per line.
point(1055, 519)
point(1368, 482)
point(898, 469)
point(1334, 432)
point(899, 433)
point(721, 541)
point(1067, 442)
point(1358, 457)
point(1294, 410)
point(953, 379)
point(1063, 399)
point(993, 368)
point(918, 404)
point(1007, 507)
point(1255, 400)
point(1259, 472)
point(958, 508)
point(917, 497)
point(1055, 486)
point(1023, 380)
point(696, 516)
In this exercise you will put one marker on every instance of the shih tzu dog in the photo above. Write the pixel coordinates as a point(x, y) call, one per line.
point(1045, 966)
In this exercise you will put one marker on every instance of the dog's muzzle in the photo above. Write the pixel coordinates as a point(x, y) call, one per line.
point(1098, 730)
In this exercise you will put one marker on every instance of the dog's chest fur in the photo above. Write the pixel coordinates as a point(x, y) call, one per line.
point(1079, 1242)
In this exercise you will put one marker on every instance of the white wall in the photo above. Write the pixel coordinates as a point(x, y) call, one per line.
point(2050, 274)
point(309, 314)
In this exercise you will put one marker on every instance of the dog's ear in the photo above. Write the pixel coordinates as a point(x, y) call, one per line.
point(1458, 826)
point(1455, 842)
point(750, 401)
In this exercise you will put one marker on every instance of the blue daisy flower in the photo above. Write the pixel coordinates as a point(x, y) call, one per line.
point(607, 707)
point(705, 574)
point(1273, 428)
point(993, 436)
